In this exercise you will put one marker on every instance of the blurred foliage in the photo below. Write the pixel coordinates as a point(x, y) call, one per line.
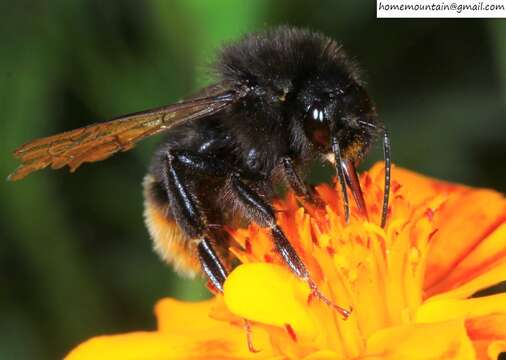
point(75, 258)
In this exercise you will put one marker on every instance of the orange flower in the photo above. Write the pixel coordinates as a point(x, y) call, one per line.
point(413, 286)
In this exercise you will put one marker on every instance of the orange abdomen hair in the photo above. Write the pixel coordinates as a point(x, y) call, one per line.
point(169, 241)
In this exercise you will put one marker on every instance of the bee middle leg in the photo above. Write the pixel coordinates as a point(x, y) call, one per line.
point(261, 212)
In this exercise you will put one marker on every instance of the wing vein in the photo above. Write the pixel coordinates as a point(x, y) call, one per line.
point(101, 140)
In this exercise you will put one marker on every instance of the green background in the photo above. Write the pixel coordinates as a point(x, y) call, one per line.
point(75, 258)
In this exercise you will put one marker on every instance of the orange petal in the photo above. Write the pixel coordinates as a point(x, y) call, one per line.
point(491, 277)
point(229, 342)
point(324, 355)
point(137, 345)
point(496, 348)
point(464, 222)
point(415, 187)
point(186, 330)
point(487, 254)
point(269, 294)
point(444, 340)
point(445, 309)
point(488, 334)
point(174, 315)
point(490, 327)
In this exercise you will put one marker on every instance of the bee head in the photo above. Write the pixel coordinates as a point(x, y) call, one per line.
point(341, 112)
point(291, 71)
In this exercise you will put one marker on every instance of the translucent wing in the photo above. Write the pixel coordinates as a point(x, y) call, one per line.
point(99, 141)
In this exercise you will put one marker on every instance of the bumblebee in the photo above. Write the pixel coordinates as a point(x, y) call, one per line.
point(283, 98)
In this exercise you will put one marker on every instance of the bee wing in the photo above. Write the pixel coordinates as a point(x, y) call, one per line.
point(99, 141)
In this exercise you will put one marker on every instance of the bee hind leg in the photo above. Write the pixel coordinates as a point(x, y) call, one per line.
point(192, 220)
point(187, 211)
point(217, 274)
point(211, 264)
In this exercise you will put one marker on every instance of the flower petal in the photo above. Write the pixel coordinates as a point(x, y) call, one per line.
point(490, 327)
point(413, 186)
point(137, 345)
point(445, 309)
point(227, 343)
point(443, 340)
point(186, 330)
point(324, 355)
point(488, 334)
point(487, 254)
point(269, 294)
point(491, 277)
point(464, 222)
point(496, 348)
point(174, 315)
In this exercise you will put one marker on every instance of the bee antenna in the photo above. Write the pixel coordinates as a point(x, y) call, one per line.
point(388, 169)
point(340, 174)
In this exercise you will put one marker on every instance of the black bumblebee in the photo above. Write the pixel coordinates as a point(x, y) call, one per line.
point(283, 97)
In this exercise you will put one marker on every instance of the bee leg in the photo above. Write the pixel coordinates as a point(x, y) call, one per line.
point(189, 217)
point(263, 214)
point(217, 274)
point(296, 183)
point(189, 214)
point(211, 264)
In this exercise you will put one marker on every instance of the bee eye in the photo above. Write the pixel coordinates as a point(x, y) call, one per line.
point(316, 127)
point(317, 114)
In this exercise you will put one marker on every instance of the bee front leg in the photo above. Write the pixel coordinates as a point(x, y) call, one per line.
point(300, 188)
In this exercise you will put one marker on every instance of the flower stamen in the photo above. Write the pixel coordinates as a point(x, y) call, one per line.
point(291, 332)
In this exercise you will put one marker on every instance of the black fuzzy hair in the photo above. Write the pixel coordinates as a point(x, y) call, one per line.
point(284, 53)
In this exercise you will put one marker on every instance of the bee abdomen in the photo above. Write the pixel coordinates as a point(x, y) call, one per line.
point(169, 241)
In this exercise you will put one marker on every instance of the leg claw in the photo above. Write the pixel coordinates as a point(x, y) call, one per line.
point(317, 293)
